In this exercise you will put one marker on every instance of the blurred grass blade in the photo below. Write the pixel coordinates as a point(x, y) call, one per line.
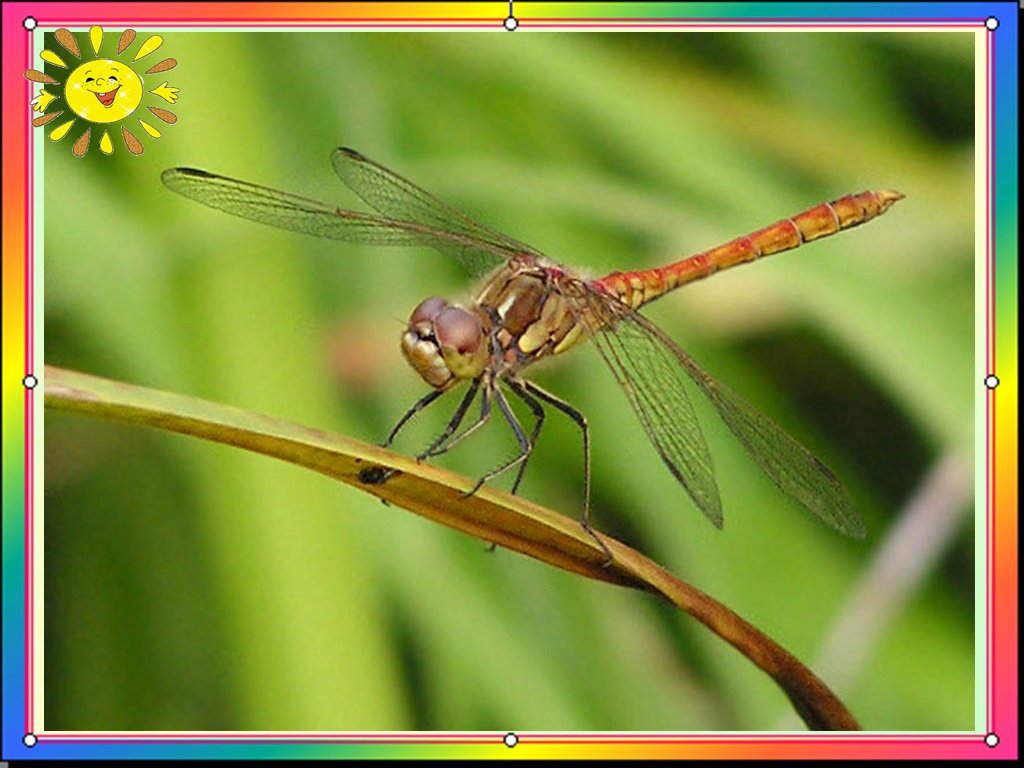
point(436, 493)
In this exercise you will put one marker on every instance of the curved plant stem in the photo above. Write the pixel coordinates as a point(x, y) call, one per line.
point(491, 515)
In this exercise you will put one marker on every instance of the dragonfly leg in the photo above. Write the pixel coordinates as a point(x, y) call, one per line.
point(538, 412)
point(485, 414)
point(454, 422)
point(581, 422)
point(422, 403)
point(524, 444)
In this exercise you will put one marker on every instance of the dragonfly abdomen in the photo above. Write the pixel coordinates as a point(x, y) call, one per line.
point(643, 286)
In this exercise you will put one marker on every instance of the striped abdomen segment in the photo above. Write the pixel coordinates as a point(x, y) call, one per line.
point(643, 286)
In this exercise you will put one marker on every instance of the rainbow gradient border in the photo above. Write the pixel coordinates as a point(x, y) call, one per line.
point(21, 310)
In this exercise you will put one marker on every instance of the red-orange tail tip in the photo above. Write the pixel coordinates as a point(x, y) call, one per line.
point(887, 197)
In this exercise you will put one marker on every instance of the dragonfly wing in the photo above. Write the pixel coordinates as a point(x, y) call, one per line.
point(653, 380)
point(311, 217)
point(793, 468)
point(398, 198)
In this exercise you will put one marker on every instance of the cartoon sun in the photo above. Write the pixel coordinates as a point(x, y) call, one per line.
point(103, 90)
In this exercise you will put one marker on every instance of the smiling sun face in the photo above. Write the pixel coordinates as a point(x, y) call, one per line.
point(103, 91)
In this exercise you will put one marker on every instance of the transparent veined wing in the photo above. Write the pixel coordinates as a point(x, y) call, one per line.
point(649, 366)
point(311, 217)
point(652, 380)
point(398, 198)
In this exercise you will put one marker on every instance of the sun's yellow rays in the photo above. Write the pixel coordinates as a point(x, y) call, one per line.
point(149, 46)
point(52, 58)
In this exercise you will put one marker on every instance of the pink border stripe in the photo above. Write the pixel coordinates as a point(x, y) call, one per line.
point(555, 25)
point(29, 425)
point(989, 437)
point(732, 22)
point(537, 22)
point(269, 21)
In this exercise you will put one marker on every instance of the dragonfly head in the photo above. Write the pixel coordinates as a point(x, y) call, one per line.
point(445, 344)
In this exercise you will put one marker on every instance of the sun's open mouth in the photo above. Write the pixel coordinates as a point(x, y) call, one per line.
point(106, 99)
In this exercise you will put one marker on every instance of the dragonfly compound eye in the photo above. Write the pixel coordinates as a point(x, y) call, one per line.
point(444, 344)
point(427, 310)
point(420, 346)
point(461, 338)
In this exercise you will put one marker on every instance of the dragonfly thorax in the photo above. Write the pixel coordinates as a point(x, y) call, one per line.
point(445, 344)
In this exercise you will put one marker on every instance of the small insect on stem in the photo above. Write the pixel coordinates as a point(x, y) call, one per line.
point(376, 475)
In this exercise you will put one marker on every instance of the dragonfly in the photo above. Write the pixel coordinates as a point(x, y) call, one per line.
point(530, 307)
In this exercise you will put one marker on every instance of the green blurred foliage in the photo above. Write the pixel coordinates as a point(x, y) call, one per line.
point(192, 586)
